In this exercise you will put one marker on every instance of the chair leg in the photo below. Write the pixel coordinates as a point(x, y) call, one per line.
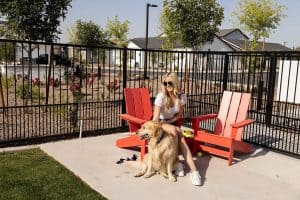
point(230, 158)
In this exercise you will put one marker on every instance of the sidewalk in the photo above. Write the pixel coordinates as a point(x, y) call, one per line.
point(260, 176)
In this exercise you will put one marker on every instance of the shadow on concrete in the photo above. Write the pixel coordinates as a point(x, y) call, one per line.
point(202, 164)
point(240, 157)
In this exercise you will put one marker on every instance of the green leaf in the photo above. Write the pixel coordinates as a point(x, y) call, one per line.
point(259, 18)
point(193, 22)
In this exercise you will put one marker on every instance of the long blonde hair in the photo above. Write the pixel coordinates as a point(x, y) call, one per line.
point(167, 101)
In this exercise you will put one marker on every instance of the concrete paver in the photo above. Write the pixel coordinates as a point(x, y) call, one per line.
point(262, 175)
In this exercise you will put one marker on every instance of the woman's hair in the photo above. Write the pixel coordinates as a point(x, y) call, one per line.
point(167, 98)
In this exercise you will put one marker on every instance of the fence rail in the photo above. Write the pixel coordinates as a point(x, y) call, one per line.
point(48, 88)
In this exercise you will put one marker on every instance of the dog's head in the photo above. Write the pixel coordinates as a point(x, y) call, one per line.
point(150, 129)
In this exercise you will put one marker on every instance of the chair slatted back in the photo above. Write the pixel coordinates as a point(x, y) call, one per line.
point(233, 108)
point(138, 103)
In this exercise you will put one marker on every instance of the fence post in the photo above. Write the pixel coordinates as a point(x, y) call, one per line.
point(124, 81)
point(271, 88)
point(260, 90)
point(225, 74)
point(2, 104)
point(49, 77)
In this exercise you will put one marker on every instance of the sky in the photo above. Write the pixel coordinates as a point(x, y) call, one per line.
point(99, 11)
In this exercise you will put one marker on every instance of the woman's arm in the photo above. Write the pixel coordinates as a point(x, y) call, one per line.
point(156, 113)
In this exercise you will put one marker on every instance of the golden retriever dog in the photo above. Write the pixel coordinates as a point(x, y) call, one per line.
point(162, 156)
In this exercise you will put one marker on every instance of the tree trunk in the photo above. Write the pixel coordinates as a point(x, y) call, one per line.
point(28, 89)
point(49, 76)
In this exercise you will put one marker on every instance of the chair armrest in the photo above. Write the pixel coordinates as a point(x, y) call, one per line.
point(242, 123)
point(196, 120)
point(238, 125)
point(132, 119)
point(205, 117)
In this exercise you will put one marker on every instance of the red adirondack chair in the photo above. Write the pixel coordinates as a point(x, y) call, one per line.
point(230, 121)
point(139, 110)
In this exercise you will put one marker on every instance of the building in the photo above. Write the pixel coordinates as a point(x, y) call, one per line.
point(226, 40)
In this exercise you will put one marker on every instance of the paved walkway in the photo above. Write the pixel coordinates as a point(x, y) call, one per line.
point(262, 175)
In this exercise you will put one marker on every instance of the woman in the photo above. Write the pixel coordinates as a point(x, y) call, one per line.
point(168, 108)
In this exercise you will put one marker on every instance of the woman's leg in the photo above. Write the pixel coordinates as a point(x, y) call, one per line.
point(184, 149)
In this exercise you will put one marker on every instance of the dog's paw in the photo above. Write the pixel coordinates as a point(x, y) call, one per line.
point(139, 174)
point(148, 175)
point(172, 178)
point(164, 174)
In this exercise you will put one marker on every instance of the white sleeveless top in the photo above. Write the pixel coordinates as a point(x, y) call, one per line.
point(164, 113)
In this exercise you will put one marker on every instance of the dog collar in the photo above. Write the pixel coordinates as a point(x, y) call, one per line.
point(160, 139)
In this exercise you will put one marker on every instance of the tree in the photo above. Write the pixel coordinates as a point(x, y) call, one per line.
point(259, 18)
point(193, 22)
point(87, 33)
point(7, 51)
point(90, 34)
point(34, 20)
point(118, 31)
point(5, 32)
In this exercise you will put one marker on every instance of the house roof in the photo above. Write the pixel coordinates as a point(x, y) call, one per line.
point(244, 44)
point(225, 32)
point(153, 43)
point(236, 45)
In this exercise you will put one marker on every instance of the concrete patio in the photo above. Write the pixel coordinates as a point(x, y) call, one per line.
point(262, 175)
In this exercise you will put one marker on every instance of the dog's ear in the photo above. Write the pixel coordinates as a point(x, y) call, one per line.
point(157, 128)
point(156, 124)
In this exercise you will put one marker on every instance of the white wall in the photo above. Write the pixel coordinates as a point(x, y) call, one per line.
point(138, 59)
point(41, 49)
point(131, 45)
point(288, 85)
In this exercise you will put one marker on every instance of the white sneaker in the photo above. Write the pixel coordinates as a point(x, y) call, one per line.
point(179, 171)
point(195, 178)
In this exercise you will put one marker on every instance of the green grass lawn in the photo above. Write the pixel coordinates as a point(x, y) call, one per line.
point(33, 175)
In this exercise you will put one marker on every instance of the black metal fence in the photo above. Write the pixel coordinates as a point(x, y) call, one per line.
point(50, 90)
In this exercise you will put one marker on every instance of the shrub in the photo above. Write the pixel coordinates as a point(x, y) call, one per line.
point(36, 82)
point(7, 82)
point(62, 110)
point(76, 91)
point(113, 85)
point(23, 91)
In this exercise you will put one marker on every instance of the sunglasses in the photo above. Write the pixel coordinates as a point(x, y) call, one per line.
point(166, 83)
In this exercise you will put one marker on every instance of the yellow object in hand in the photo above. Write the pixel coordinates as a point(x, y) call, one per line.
point(188, 134)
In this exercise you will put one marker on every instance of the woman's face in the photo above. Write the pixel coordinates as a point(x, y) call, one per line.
point(169, 84)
